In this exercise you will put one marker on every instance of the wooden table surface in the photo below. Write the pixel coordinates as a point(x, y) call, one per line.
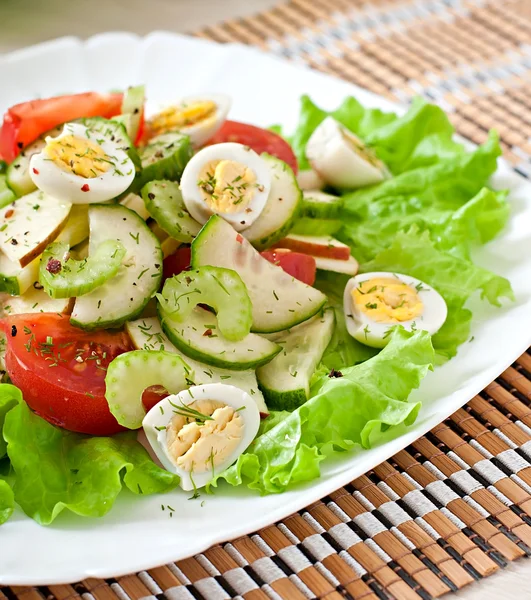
point(27, 22)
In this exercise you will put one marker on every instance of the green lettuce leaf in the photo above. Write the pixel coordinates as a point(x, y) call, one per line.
point(7, 501)
point(455, 278)
point(343, 414)
point(56, 469)
point(420, 137)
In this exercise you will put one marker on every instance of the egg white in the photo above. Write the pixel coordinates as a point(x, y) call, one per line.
point(337, 162)
point(69, 187)
point(201, 132)
point(192, 193)
point(372, 333)
point(161, 415)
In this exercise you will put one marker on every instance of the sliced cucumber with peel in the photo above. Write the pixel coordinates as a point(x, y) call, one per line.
point(221, 289)
point(147, 334)
point(279, 300)
point(7, 195)
point(62, 276)
point(18, 172)
point(133, 106)
point(320, 205)
point(124, 296)
point(129, 374)
point(285, 381)
point(282, 207)
point(200, 339)
point(164, 157)
point(164, 202)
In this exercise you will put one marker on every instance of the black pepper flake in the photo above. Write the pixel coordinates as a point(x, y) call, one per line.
point(13, 330)
point(334, 373)
point(156, 265)
point(20, 145)
point(242, 222)
point(37, 285)
point(136, 111)
point(14, 242)
point(151, 196)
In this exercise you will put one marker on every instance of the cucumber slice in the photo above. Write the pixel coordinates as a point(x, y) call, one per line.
point(285, 381)
point(14, 279)
point(18, 172)
point(129, 374)
point(164, 157)
point(147, 334)
point(124, 296)
point(116, 132)
point(282, 207)
point(136, 203)
point(77, 227)
point(7, 196)
point(199, 338)
point(3, 167)
point(36, 301)
point(316, 227)
point(319, 205)
point(28, 226)
point(279, 300)
point(133, 105)
point(164, 201)
point(64, 277)
point(221, 289)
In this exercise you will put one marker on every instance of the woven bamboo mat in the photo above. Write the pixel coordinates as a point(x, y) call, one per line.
point(455, 507)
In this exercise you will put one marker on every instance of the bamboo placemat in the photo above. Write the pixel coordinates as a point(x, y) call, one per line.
point(455, 506)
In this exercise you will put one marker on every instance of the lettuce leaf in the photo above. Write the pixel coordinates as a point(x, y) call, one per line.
point(421, 137)
point(456, 279)
point(7, 501)
point(56, 469)
point(342, 414)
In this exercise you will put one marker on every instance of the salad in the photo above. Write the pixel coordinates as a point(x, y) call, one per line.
point(189, 300)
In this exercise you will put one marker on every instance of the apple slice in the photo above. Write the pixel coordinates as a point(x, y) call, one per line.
point(29, 224)
point(348, 267)
point(325, 246)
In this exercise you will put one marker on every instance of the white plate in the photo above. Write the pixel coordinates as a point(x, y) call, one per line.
point(136, 534)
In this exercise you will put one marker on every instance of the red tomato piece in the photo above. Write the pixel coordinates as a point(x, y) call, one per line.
point(25, 122)
point(300, 266)
point(260, 140)
point(177, 262)
point(61, 370)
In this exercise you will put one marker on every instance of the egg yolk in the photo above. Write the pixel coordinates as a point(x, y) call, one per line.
point(79, 156)
point(228, 186)
point(201, 445)
point(387, 300)
point(177, 117)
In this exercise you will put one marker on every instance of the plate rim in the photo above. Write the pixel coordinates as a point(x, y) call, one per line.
point(297, 502)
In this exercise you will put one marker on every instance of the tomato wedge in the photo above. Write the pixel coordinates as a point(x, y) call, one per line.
point(300, 266)
point(61, 370)
point(25, 122)
point(177, 262)
point(260, 140)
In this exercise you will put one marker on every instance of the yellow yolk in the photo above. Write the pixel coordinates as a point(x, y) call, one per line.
point(79, 156)
point(201, 446)
point(387, 300)
point(177, 117)
point(227, 186)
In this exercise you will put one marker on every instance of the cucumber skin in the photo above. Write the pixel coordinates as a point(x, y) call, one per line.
point(113, 324)
point(170, 167)
point(196, 262)
point(267, 241)
point(308, 226)
point(9, 285)
point(199, 356)
point(283, 400)
point(321, 210)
